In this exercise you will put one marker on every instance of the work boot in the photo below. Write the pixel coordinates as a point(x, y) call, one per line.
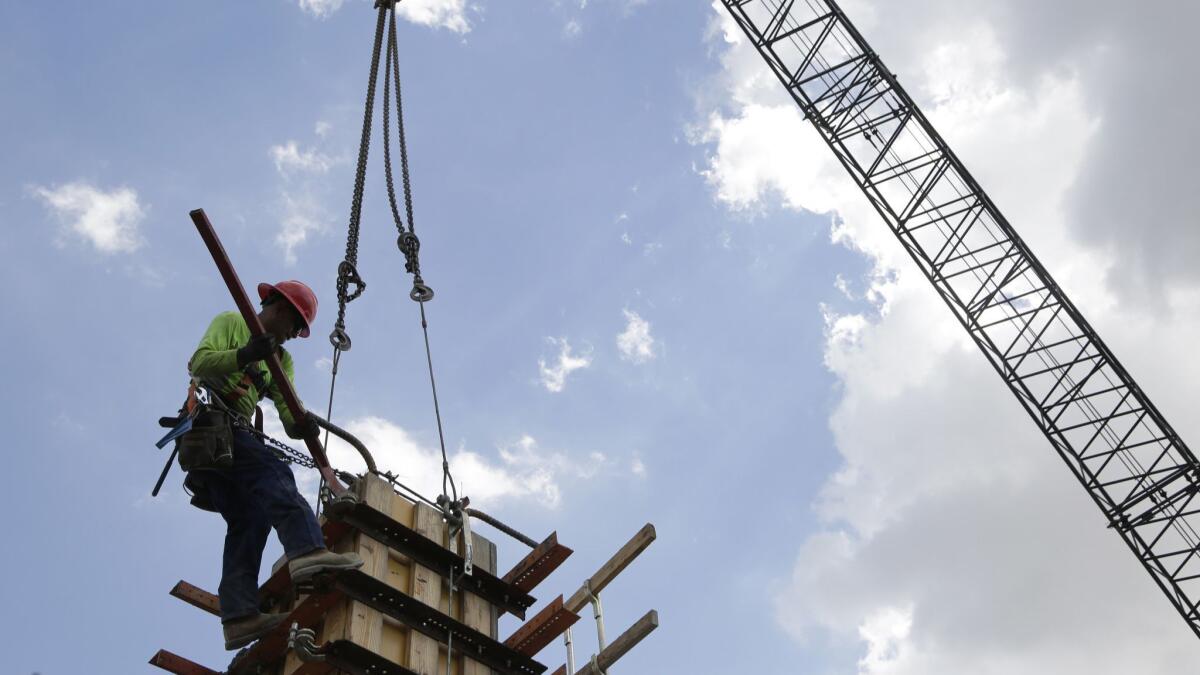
point(241, 632)
point(306, 566)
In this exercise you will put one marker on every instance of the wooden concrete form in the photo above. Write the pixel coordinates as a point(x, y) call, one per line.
point(371, 629)
point(396, 614)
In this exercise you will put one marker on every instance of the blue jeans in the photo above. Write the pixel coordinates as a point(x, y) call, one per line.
point(254, 495)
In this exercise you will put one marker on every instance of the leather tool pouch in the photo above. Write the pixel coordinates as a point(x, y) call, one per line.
point(209, 443)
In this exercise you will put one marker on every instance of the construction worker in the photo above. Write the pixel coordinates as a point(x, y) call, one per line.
point(258, 492)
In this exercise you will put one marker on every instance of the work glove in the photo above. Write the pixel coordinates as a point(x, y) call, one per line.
point(305, 428)
point(258, 348)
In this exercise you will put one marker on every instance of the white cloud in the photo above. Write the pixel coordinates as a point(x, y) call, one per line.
point(290, 159)
point(301, 216)
point(554, 374)
point(448, 14)
point(321, 8)
point(520, 471)
point(952, 537)
point(637, 467)
point(303, 191)
point(572, 28)
point(886, 634)
point(108, 221)
point(635, 342)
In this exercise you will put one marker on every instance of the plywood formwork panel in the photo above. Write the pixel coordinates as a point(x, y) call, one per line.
point(426, 586)
point(476, 612)
point(386, 636)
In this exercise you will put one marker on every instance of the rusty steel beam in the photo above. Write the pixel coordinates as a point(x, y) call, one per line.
point(539, 564)
point(541, 630)
point(173, 663)
point(197, 597)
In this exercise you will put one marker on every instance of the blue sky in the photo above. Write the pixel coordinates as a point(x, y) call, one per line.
point(658, 299)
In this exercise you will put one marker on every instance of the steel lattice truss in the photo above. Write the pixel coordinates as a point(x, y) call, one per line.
point(1114, 440)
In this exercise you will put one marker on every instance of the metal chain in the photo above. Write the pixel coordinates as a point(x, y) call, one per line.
point(348, 269)
point(407, 241)
point(350, 284)
point(285, 452)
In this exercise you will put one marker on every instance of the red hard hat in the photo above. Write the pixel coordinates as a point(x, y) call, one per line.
point(297, 293)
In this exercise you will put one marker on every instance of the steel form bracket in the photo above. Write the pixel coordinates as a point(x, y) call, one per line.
point(539, 564)
point(424, 619)
point(541, 630)
point(173, 663)
point(344, 656)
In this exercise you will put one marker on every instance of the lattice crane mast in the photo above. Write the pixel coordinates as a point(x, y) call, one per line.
point(1116, 443)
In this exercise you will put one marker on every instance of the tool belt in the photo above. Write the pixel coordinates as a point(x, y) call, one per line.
point(209, 442)
point(203, 437)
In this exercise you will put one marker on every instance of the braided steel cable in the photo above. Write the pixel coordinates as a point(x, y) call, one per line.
point(407, 241)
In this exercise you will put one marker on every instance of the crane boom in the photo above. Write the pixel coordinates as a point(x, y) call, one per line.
point(1117, 444)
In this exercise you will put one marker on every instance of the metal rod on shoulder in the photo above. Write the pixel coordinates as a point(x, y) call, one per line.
point(234, 284)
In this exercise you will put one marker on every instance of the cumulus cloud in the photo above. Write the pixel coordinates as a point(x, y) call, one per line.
point(886, 634)
point(635, 342)
point(574, 24)
point(321, 8)
point(448, 14)
point(108, 220)
point(301, 215)
point(303, 191)
point(947, 533)
point(637, 467)
point(554, 373)
point(1125, 195)
point(518, 471)
point(289, 159)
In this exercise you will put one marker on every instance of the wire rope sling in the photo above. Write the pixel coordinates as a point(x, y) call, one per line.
point(350, 284)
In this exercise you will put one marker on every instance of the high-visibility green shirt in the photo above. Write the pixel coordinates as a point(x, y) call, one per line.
point(215, 364)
